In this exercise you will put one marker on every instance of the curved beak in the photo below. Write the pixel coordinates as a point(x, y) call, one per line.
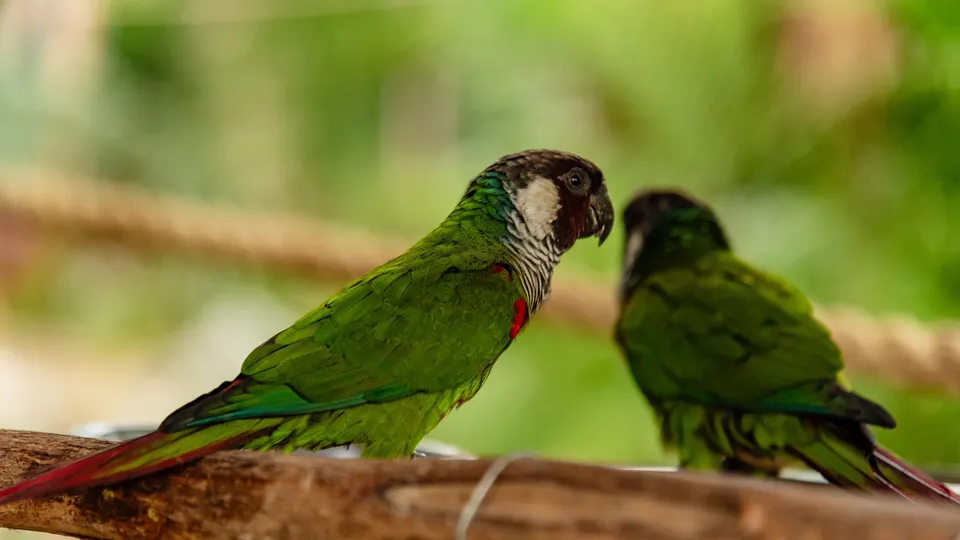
point(600, 218)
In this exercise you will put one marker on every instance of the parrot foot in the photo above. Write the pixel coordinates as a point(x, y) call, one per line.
point(480, 491)
point(738, 467)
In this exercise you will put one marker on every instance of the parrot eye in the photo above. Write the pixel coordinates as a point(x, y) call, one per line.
point(577, 180)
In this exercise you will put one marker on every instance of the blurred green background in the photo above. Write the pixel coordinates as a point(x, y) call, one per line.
point(826, 134)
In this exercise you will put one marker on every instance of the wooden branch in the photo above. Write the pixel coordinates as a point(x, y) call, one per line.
point(265, 496)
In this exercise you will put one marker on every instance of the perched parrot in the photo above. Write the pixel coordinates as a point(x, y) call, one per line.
point(386, 358)
point(741, 376)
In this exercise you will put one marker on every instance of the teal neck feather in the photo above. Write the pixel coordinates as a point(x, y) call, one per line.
point(486, 201)
point(488, 207)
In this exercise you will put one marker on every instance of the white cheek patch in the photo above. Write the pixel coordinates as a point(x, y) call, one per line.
point(539, 203)
point(634, 245)
point(630, 253)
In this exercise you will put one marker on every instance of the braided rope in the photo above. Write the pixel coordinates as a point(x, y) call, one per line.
point(896, 348)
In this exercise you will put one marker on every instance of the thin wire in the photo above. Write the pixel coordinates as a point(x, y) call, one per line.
point(480, 491)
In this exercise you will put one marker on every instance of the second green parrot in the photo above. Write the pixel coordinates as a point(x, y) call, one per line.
point(386, 358)
point(739, 373)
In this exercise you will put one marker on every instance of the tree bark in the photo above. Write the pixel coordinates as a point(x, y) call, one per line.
point(268, 496)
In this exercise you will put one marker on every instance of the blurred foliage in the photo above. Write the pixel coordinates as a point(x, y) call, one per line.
point(825, 133)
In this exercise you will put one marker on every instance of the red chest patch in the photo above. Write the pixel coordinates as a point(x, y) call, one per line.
point(519, 307)
point(497, 268)
point(519, 317)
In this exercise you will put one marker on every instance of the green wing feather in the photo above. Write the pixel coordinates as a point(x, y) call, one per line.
point(375, 341)
point(720, 333)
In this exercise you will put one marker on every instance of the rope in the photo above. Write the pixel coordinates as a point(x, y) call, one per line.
point(895, 348)
point(211, 14)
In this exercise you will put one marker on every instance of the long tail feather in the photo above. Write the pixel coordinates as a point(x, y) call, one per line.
point(856, 462)
point(138, 457)
point(908, 480)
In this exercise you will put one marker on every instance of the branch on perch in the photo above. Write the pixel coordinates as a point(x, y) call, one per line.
point(266, 496)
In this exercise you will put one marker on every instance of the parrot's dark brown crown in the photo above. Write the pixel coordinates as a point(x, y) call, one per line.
point(647, 207)
point(524, 167)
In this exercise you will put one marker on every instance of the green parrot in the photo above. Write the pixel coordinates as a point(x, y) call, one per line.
point(741, 376)
point(386, 358)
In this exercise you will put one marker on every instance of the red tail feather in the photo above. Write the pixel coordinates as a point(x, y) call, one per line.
point(910, 481)
point(115, 464)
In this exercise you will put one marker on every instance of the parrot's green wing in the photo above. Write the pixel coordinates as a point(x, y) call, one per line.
point(720, 333)
point(407, 327)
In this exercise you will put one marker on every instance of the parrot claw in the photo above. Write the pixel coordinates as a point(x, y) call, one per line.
point(417, 454)
point(483, 486)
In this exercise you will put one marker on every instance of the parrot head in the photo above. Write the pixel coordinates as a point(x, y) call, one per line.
point(663, 221)
point(557, 195)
